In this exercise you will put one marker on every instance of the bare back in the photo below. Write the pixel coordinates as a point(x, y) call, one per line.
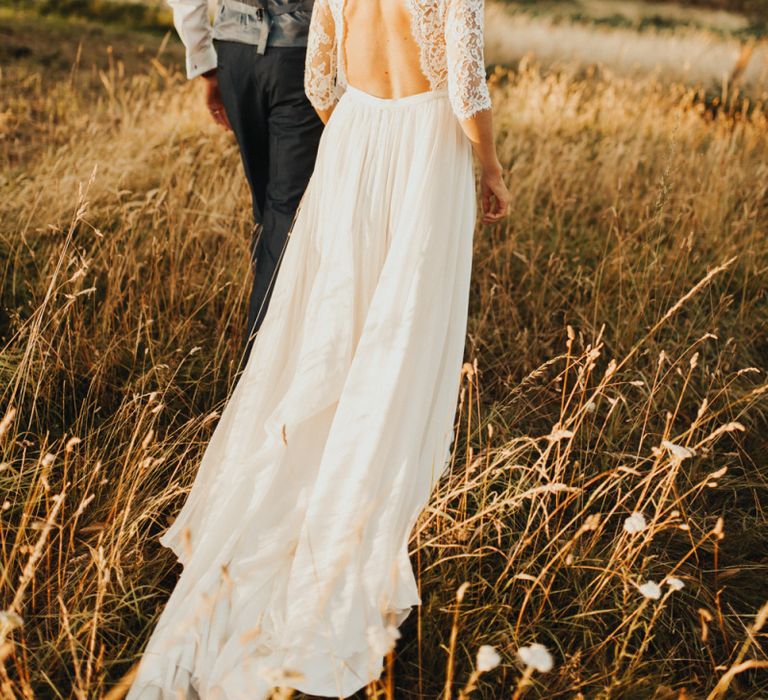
point(397, 48)
point(381, 55)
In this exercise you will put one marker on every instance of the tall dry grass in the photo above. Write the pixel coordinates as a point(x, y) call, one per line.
point(611, 430)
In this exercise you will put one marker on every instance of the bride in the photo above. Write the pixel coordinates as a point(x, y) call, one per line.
point(294, 537)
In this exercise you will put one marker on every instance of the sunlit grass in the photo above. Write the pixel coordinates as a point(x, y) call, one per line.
point(601, 529)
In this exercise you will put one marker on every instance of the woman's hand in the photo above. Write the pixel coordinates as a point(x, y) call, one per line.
point(324, 114)
point(494, 195)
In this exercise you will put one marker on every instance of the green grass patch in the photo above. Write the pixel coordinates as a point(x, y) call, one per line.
point(153, 17)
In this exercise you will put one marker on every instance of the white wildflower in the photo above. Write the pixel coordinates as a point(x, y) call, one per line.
point(674, 583)
point(591, 522)
point(382, 639)
point(558, 434)
point(590, 407)
point(677, 451)
point(635, 523)
point(10, 620)
point(487, 658)
point(650, 589)
point(536, 656)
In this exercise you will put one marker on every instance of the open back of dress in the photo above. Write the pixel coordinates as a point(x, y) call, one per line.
point(400, 47)
point(384, 62)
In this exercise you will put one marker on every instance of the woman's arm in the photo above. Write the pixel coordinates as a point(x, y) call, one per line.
point(324, 114)
point(494, 196)
point(320, 65)
point(471, 101)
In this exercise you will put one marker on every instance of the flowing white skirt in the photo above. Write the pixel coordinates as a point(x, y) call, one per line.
point(294, 537)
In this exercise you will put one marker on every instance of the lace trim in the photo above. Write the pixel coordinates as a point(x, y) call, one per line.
point(427, 26)
point(467, 87)
point(320, 66)
point(449, 34)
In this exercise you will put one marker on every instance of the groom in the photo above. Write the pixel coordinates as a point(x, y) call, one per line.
point(252, 62)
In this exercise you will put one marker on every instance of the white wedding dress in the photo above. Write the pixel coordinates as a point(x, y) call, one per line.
point(294, 537)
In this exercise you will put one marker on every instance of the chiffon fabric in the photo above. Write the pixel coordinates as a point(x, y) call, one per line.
point(294, 537)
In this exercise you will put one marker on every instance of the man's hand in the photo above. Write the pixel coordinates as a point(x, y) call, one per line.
point(213, 99)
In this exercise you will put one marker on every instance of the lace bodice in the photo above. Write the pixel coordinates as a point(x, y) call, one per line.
point(449, 34)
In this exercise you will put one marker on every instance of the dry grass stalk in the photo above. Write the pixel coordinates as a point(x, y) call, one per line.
point(615, 372)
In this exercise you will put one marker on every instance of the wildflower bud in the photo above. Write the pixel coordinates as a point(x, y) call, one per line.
point(537, 657)
point(635, 523)
point(651, 590)
point(487, 658)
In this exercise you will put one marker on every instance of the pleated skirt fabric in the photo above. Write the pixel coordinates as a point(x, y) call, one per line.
point(294, 536)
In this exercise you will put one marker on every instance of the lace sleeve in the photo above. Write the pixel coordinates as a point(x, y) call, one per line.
point(467, 87)
point(320, 68)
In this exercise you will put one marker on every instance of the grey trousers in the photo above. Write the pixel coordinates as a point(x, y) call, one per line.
point(278, 132)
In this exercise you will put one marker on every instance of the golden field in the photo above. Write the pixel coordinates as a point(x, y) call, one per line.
point(607, 495)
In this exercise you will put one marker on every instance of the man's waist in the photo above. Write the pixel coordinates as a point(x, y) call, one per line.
point(263, 22)
point(274, 8)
